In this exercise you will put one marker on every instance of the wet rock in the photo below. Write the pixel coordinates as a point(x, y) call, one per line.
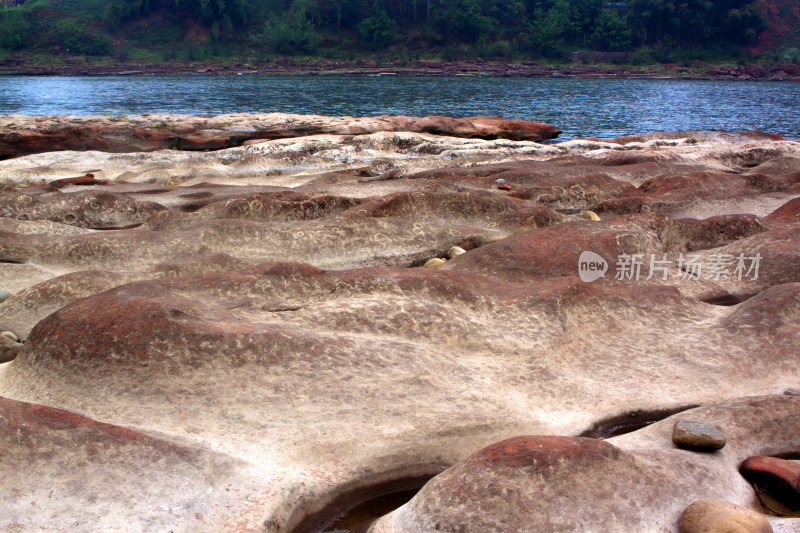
point(775, 478)
point(698, 436)
point(718, 516)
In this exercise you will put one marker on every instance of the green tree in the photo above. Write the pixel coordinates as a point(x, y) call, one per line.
point(563, 22)
point(292, 35)
point(14, 30)
point(78, 38)
point(611, 32)
point(695, 22)
point(222, 16)
point(547, 35)
point(378, 30)
point(461, 20)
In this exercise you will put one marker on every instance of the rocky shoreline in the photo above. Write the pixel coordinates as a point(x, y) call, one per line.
point(77, 66)
point(258, 334)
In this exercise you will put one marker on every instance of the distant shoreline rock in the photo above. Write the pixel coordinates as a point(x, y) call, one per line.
point(23, 134)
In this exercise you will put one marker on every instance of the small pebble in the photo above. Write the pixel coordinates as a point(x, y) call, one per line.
point(4, 295)
point(591, 215)
point(501, 180)
point(697, 436)
point(504, 187)
point(10, 335)
point(455, 251)
point(719, 516)
point(436, 262)
point(792, 391)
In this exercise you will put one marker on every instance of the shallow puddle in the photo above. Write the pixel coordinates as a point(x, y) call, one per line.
point(359, 518)
point(630, 422)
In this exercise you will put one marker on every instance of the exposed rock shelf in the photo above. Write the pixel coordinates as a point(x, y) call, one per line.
point(233, 340)
point(20, 135)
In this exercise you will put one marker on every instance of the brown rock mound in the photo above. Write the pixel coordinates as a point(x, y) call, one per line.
point(20, 135)
point(629, 483)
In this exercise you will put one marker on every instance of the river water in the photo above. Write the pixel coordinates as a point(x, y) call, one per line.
point(581, 107)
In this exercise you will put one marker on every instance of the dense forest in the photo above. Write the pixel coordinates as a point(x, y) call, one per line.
point(450, 29)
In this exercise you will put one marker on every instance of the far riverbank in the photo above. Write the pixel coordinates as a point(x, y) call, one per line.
point(80, 66)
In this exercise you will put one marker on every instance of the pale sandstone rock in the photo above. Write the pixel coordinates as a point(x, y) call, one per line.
point(635, 482)
point(455, 251)
point(435, 263)
point(294, 386)
point(717, 516)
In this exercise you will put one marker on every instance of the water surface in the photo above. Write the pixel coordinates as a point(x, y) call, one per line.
point(581, 107)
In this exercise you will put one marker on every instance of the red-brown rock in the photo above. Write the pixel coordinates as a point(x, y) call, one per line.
point(86, 180)
point(776, 478)
point(788, 213)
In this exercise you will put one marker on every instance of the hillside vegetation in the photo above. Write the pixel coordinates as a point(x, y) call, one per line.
point(186, 30)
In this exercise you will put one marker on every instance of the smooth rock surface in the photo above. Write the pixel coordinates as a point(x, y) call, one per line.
point(634, 482)
point(717, 516)
point(264, 329)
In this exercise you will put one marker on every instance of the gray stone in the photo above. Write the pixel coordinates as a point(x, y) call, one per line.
point(698, 436)
point(792, 391)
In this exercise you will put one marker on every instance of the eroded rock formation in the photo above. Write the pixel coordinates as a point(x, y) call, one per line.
point(235, 340)
point(20, 135)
